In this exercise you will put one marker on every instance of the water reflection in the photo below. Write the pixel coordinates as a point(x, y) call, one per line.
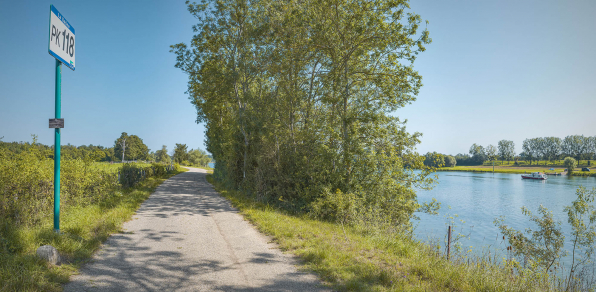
point(479, 198)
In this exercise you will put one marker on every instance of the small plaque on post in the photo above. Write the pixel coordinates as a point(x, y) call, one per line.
point(56, 123)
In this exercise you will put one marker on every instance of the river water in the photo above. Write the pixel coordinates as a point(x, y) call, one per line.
point(479, 198)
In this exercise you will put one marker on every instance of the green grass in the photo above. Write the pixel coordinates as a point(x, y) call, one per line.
point(541, 163)
point(356, 260)
point(83, 229)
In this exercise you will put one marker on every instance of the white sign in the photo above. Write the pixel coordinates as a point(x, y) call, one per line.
point(62, 39)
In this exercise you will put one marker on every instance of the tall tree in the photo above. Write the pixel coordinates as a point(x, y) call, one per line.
point(180, 153)
point(131, 146)
point(297, 99)
point(478, 154)
point(491, 152)
point(530, 150)
point(590, 148)
point(552, 147)
point(573, 145)
point(506, 150)
point(198, 157)
point(450, 161)
point(162, 155)
point(120, 147)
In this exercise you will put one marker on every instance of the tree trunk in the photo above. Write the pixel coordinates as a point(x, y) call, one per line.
point(347, 159)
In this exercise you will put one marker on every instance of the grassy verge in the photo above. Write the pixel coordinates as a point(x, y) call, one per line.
point(348, 259)
point(83, 229)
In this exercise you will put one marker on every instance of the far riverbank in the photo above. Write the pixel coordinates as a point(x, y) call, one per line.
point(516, 169)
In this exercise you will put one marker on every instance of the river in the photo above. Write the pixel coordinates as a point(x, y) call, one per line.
point(479, 198)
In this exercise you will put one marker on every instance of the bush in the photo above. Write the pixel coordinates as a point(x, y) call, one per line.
point(434, 159)
point(570, 163)
point(450, 161)
point(132, 173)
point(27, 184)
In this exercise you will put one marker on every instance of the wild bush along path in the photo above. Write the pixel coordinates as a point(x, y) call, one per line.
point(186, 237)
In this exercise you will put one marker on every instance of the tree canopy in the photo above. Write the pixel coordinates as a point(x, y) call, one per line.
point(132, 146)
point(296, 97)
point(180, 153)
point(162, 155)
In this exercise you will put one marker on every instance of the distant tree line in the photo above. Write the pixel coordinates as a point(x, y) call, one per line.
point(192, 157)
point(538, 149)
point(435, 159)
point(84, 152)
point(126, 147)
point(554, 148)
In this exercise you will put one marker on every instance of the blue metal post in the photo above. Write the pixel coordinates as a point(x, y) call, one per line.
point(57, 149)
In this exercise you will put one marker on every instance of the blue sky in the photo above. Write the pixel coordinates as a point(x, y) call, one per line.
point(495, 70)
point(125, 80)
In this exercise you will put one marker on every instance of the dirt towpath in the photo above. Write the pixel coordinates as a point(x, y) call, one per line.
point(186, 237)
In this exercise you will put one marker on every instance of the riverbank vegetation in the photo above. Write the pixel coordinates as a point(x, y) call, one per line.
point(541, 248)
point(296, 102)
point(545, 154)
point(558, 168)
point(502, 169)
point(547, 151)
point(96, 198)
point(352, 258)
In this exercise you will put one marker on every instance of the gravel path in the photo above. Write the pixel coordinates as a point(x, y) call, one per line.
point(186, 237)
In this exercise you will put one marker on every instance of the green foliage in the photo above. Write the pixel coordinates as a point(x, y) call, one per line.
point(162, 155)
point(198, 157)
point(582, 218)
point(570, 164)
point(491, 153)
point(545, 246)
point(450, 161)
point(83, 152)
point(296, 100)
point(506, 150)
point(359, 259)
point(181, 154)
point(131, 174)
point(501, 169)
point(27, 184)
point(93, 202)
point(132, 146)
point(478, 154)
point(434, 159)
point(337, 206)
point(534, 150)
point(544, 249)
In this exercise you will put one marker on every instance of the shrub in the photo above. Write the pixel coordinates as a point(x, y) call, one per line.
point(450, 161)
point(27, 184)
point(570, 163)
